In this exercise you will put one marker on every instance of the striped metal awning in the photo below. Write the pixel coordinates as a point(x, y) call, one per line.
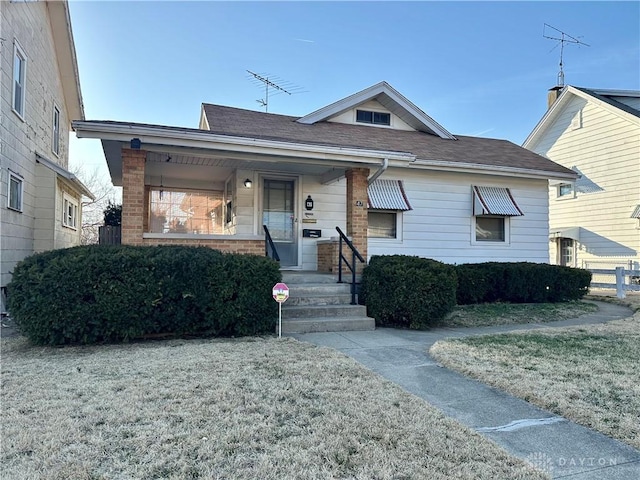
point(494, 201)
point(565, 232)
point(636, 212)
point(388, 195)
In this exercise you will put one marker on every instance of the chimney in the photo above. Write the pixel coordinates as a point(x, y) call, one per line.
point(553, 95)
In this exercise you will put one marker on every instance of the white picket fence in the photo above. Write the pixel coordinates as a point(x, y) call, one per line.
point(625, 280)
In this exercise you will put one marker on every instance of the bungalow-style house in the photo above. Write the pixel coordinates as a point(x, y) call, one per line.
point(40, 200)
point(373, 164)
point(594, 220)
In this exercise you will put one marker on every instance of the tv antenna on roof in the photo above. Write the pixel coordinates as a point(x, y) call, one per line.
point(562, 39)
point(272, 83)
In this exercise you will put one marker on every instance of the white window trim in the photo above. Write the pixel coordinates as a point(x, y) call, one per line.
point(398, 238)
point(18, 51)
point(55, 130)
point(492, 243)
point(66, 198)
point(567, 196)
point(13, 174)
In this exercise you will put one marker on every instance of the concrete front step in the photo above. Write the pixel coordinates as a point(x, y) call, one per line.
point(303, 277)
point(303, 289)
point(327, 324)
point(313, 311)
point(320, 299)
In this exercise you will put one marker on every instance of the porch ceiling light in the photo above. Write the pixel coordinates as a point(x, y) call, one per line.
point(248, 183)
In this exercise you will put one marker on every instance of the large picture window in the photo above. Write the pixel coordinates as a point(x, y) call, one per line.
point(185, 211)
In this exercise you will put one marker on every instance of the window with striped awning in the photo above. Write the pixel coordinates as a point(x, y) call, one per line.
point(388, 195)
point(494, 201)
point(636, 212)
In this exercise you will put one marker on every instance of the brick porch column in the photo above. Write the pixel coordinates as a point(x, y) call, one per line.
point(357, 196)
point(133, 200)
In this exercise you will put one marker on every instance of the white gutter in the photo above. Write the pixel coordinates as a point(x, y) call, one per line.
point(385, 165)
point(208, 141)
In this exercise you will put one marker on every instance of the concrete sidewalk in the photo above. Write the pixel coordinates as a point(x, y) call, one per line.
point(553, 443)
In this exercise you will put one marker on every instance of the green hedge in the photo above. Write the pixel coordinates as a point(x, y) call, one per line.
point(520, 282)
point(96, 294)
point(406, 291)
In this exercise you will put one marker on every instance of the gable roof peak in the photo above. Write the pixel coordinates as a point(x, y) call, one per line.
point(391, 99)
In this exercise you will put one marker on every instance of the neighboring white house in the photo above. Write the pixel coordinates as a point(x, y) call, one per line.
point(594, 221)
point(40, 200)
point(373, 164)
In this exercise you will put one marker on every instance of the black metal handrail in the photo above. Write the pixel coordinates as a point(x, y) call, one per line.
point(352, 266)
point(268, 242)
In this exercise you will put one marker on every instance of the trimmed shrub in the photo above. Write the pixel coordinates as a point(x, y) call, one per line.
point(406, 291)
point(520, 282)
point(94, 294)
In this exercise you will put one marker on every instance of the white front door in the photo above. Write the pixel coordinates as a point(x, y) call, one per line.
point(279, 215)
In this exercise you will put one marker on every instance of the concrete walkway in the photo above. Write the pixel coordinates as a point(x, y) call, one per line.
point(561, 447)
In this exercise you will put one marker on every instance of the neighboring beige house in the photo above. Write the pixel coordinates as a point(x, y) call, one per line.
point(373, 164)
point(594, 221)
point(40, 200)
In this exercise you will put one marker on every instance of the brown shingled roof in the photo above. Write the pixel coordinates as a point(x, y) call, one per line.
point(469, 150)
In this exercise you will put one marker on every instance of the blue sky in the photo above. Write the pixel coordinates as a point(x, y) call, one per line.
point(478, 68)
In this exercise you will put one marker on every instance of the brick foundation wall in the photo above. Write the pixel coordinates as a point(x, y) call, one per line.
point(255, 247)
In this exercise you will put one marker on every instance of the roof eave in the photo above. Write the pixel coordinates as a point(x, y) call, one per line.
point(468, 167)
point(67, 175)
point(66, 56)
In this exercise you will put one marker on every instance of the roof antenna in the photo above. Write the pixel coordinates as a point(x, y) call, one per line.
point(564, 38)
point(275, 83)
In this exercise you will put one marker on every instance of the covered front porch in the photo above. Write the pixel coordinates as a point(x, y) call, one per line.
point(176, 197)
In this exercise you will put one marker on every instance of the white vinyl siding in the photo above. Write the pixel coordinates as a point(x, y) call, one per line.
point(19, 80)
point(441, 225)
point(607, 151)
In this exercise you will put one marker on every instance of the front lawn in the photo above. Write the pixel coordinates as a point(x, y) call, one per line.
point(588, 374)
point(487, 314)
point(228, 409)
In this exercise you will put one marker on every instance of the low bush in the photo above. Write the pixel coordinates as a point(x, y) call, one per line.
point(93, 294)
point(520, 282)
point(406, 291)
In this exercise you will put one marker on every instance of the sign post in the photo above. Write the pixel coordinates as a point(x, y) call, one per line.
point(280, 293)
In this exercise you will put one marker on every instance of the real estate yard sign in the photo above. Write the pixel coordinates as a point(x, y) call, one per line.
point(280, 293)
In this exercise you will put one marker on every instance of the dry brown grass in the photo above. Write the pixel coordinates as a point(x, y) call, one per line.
point(588, 374)
point(227, 409)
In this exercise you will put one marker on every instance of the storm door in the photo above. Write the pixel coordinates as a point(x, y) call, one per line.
point(279, 215)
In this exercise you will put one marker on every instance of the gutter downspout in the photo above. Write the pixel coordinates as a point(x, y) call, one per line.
point(383, 167)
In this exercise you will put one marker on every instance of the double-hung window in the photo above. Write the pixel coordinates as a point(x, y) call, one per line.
point(55, 131)
point(387, 201)
point(19, 80)
point(14, 195)
point(492, 209)
point(69, 212)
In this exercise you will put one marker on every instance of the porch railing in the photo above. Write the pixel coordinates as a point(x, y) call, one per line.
point(352, 266)
point(268, 243)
